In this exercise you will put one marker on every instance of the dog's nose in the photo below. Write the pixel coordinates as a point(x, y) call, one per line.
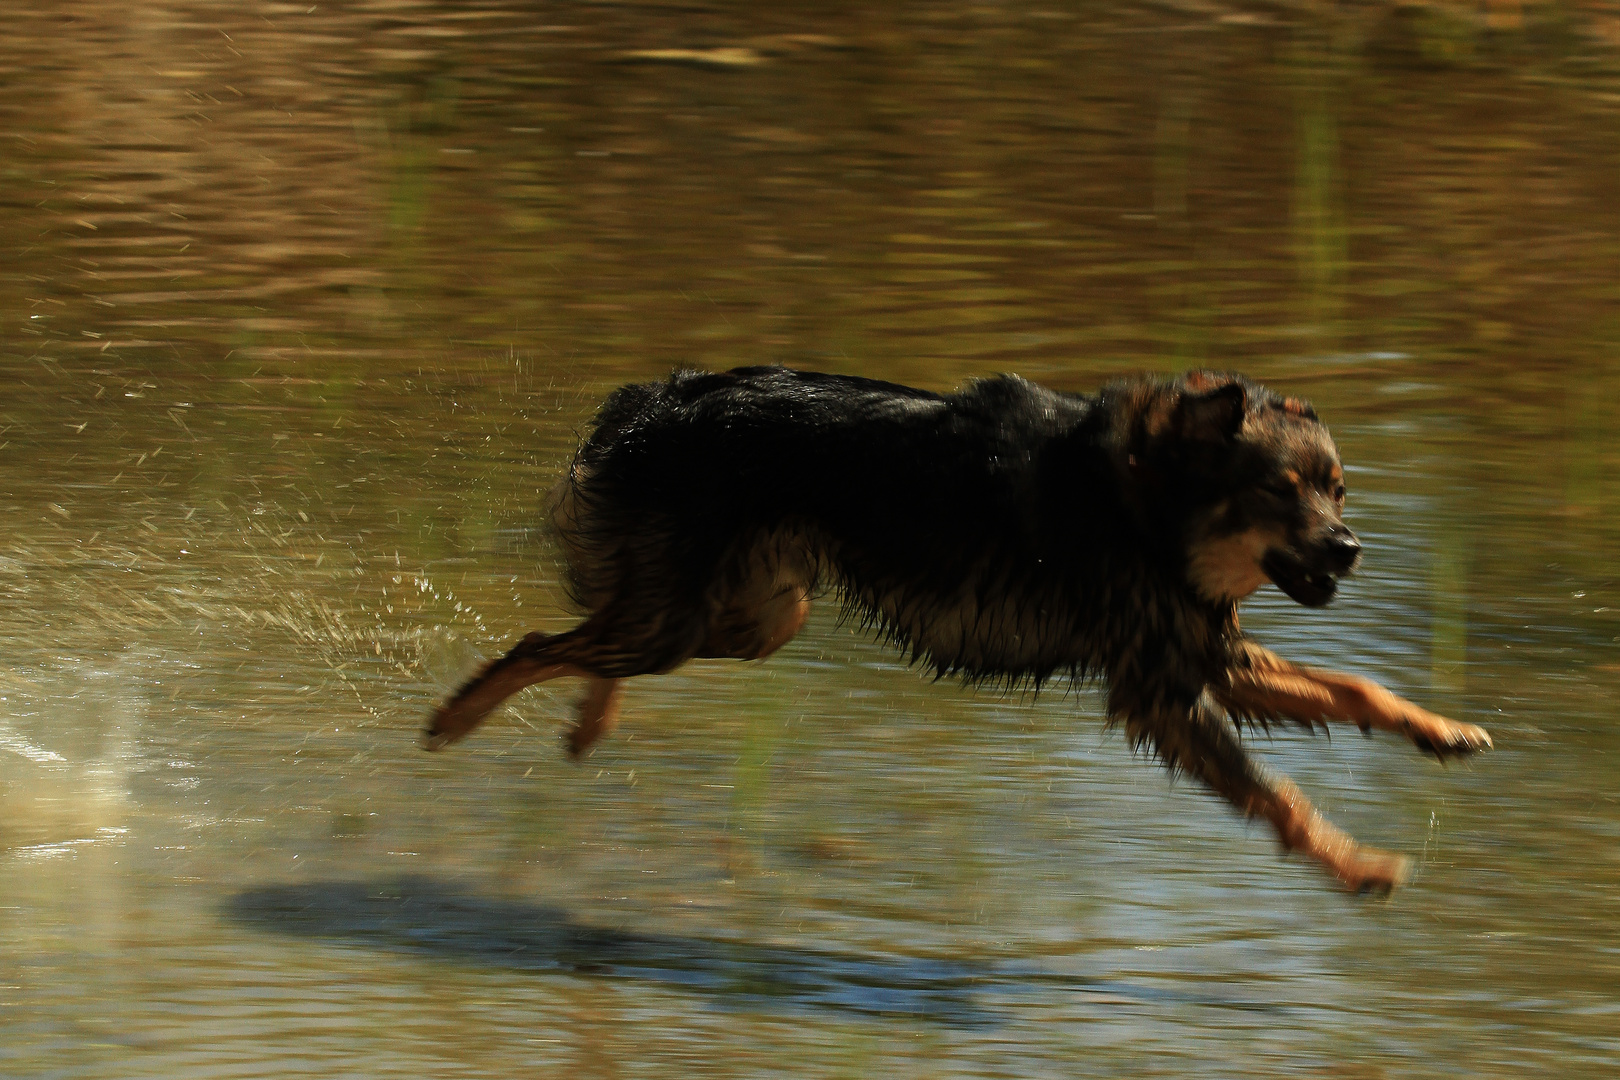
point(1343, 549)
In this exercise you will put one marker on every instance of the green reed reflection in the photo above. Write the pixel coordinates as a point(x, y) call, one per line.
point(1449, 567)
point(1320, 231)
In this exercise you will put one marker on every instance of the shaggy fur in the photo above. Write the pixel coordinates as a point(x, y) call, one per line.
point(1002, 534)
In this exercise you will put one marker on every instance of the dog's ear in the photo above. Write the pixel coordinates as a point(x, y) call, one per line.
point(1214, 415)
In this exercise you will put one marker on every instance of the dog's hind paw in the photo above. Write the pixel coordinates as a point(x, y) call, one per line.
point(431, 738)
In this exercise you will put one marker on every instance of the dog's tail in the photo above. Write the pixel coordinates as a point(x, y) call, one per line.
point(529, 662)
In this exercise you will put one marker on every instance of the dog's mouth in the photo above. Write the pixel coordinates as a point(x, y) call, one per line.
point(1300, 583)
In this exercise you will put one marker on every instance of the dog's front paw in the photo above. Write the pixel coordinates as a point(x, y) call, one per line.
point(1446, 738)
point(1370, 871)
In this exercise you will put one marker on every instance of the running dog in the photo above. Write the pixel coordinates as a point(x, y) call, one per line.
point(1003, 534)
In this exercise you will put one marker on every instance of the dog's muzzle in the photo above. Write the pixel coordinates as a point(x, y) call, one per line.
point(1312, 577)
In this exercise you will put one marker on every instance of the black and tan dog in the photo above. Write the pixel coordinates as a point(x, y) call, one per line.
point(1005, 534)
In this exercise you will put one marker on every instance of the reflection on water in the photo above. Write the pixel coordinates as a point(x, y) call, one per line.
point(303, 308)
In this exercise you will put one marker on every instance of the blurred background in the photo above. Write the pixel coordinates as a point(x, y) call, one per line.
point(302, 307)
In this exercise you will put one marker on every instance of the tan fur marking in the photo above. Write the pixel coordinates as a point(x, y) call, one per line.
point(1273, 687)
point(1228, 568)
point(756, 631)
point(760, 612)
point(1302, 828)
point(780, 631)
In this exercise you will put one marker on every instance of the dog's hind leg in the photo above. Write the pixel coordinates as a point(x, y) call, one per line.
point(598, 712)
point(615, 643)
point(757, 631)
point(537, 658)
point(791, 612)
point(1266, 686)
point(768, 628)
point(1203, 743)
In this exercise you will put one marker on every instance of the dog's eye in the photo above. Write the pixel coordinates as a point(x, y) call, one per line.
point(1338, 493)
point(1280, 488)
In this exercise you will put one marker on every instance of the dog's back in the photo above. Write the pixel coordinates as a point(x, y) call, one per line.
point(946, 520)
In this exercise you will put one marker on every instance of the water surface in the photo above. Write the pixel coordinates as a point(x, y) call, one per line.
point(303, 309)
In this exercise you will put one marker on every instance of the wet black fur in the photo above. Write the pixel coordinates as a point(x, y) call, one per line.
point(1006, 533)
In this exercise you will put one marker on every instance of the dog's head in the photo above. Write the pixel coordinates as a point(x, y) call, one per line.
point(1263, 491)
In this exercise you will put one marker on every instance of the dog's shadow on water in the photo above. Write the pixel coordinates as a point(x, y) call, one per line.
point(424, 917)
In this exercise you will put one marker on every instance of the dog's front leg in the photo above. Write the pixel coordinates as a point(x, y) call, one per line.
point(1202, 742)
point(1264, 685)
